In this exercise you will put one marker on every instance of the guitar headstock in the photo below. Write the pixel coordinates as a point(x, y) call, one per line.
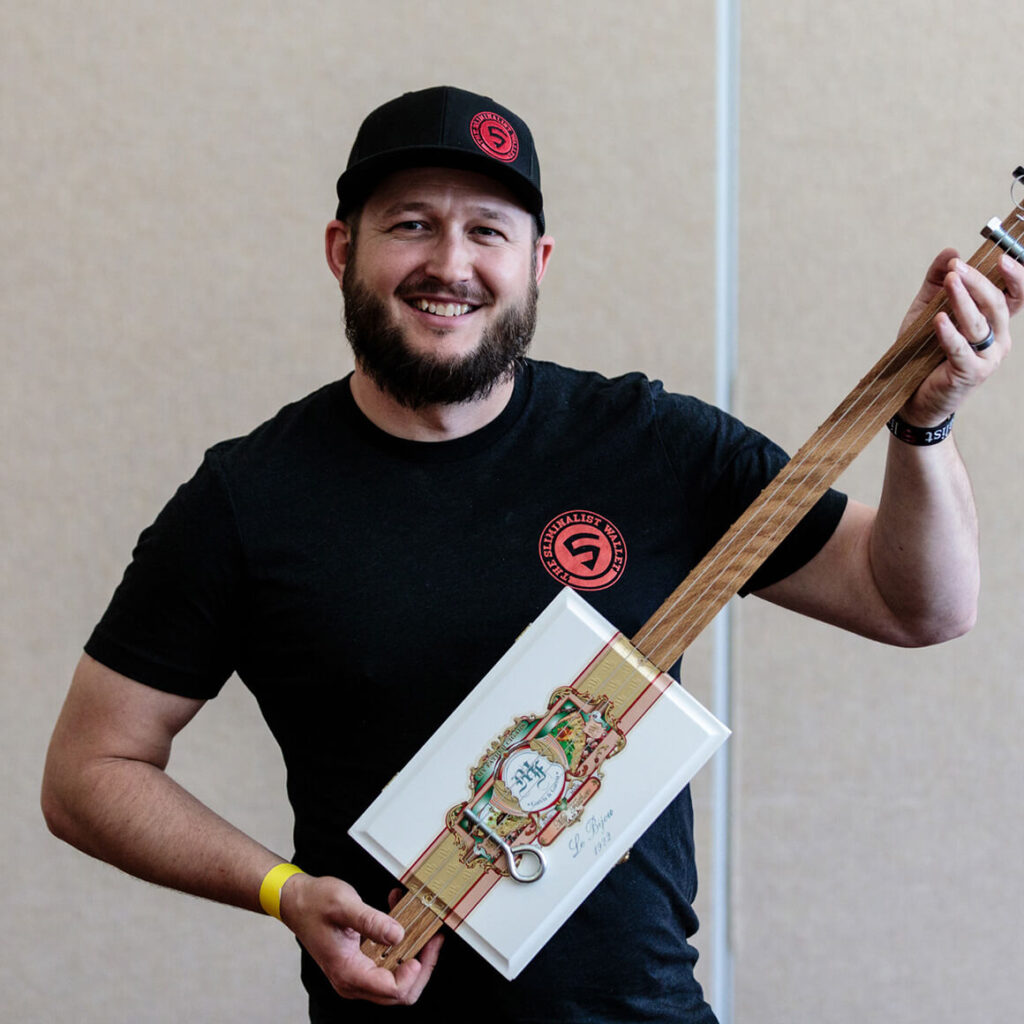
point(1008, 234)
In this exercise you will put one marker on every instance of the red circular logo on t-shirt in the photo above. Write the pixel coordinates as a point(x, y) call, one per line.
point(583, 550)
point(494, 135)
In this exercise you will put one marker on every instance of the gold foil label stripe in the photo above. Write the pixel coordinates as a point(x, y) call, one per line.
point(441, 878)
point(619, 676)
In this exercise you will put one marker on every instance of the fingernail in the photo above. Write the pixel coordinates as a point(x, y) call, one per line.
point(961, 268)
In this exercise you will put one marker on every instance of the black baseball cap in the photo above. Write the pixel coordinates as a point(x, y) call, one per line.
point(443, 127)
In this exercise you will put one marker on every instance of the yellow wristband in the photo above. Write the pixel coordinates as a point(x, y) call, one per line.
point(271, 886)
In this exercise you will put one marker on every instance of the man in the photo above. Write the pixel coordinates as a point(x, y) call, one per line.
point(364, 557)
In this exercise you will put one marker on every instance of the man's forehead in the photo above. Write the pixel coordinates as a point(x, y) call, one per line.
point(423, 187)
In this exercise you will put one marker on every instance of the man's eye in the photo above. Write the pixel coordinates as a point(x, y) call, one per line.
point(410, 225)
point(487, 232)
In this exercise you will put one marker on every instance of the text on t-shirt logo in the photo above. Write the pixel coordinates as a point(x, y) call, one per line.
point(583, 550)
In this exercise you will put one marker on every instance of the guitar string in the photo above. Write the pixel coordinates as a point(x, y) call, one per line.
point(649, 628)
point(785, 476)
point(788, 471)
point(427, 905)
point(928, 338)
point(984, 253)
point(797, 464)
point(425, 883)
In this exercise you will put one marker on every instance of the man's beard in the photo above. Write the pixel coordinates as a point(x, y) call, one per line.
point(416, 380)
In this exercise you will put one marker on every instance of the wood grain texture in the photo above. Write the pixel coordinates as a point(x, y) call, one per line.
point(420, 921)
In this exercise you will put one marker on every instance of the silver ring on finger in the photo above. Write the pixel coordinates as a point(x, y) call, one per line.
point(980, 346)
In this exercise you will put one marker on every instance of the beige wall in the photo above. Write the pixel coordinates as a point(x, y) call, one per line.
point(168, 173)
point(879, 828)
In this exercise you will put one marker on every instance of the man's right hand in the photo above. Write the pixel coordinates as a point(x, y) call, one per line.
point(330, 920)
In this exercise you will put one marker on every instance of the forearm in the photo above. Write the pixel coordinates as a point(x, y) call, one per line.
point(106, 791)
point(923, 547)
point(131, 814)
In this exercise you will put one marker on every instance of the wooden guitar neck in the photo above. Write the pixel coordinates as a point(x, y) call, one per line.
point(806, 477)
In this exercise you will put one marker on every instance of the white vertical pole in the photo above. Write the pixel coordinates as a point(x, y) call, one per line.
point(727, 45)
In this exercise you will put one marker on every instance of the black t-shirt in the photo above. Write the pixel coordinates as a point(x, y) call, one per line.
point(361, 584)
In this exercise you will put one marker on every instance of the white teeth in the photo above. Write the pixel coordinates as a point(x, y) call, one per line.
point(451, 309)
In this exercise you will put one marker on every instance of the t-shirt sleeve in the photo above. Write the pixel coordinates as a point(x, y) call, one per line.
point(173, 620)
point(732, 464)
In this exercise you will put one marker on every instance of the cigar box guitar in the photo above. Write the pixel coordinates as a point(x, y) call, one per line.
point(514, 810)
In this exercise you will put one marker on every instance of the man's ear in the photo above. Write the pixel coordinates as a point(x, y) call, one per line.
point(336, 244)
point(544, 246)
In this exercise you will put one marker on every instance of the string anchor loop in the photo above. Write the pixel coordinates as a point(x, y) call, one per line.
point(532, 851)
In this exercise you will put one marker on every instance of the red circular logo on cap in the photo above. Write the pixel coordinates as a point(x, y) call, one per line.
point(583, 550)
point(495, 136)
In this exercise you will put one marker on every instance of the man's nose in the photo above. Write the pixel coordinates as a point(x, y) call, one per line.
point(450, 258)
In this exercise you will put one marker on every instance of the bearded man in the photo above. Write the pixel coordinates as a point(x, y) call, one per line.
point(364, 557)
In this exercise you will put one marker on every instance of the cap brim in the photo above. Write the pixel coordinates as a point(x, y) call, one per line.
point(356, 183)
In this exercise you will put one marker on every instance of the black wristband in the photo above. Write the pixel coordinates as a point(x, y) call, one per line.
point(909, 434)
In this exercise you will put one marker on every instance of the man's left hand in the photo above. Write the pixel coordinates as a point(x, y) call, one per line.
point(976, 305)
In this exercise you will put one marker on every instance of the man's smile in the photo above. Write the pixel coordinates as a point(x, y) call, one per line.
point(446, 309)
